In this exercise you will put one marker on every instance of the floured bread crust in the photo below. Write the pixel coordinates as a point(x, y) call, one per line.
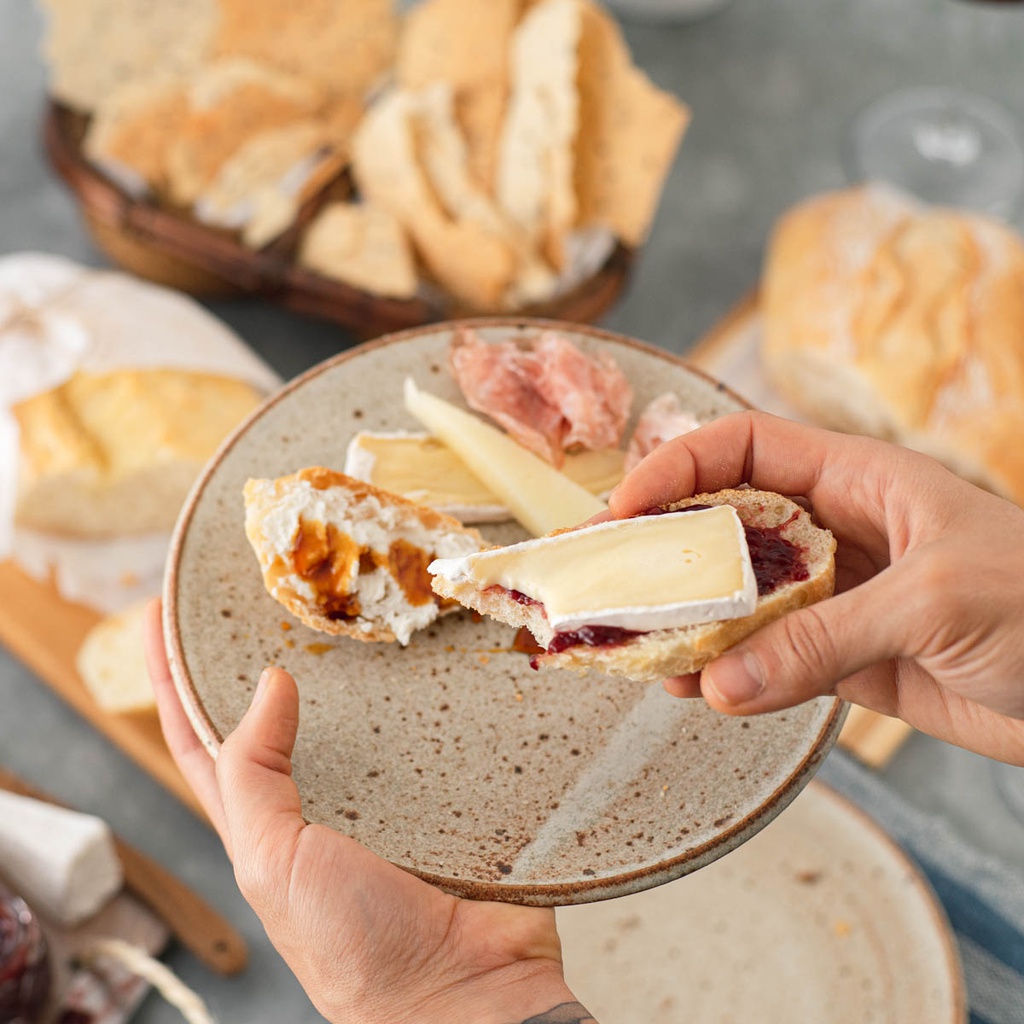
point(348, 558)
point(887, 318)
point(653, 656)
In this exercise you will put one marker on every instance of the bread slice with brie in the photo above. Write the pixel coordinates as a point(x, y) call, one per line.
point(657, 595)
point(348, 558)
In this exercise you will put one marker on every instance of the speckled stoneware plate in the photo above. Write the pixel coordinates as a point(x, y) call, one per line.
point(451, 757)
point(820, 919)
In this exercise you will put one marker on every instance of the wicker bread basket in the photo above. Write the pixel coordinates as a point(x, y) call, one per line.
point(169, 247)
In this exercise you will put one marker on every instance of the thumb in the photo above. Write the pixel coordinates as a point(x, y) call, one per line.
point(806, 653)
point(262, 808)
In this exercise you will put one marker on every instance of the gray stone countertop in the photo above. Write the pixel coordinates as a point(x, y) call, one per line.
point(773, 85)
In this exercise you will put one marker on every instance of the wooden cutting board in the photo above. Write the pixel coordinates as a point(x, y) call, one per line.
point(45, 631)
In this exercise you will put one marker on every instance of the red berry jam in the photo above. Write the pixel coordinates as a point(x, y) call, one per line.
point(24, 962)
point(589, 636)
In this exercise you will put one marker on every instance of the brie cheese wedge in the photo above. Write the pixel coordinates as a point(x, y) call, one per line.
point(645, 573)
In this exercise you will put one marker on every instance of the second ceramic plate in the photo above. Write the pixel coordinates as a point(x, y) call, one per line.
point(451, 757)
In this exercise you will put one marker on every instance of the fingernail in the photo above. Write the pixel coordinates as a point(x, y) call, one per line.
point(736, 678)
point(261, 687)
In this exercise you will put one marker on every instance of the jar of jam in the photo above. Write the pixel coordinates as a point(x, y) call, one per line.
point(24, 962)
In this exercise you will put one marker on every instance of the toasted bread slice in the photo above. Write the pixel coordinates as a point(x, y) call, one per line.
point(660, 653)
point(348, 558)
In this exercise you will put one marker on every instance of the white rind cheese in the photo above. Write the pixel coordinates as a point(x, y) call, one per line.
point(646, 573)
point(537, 494)
point(61, 862)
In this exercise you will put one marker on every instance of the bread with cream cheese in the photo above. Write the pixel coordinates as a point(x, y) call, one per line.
point(660, 653)
point(900, 321)
point(348, 558)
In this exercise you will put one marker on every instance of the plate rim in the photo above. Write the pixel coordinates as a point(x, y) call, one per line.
point(939, 918)
point(583, 890)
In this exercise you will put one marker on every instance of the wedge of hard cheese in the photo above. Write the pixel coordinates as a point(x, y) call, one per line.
point(537, 494)
point(348, 558)
point(425, 470)
point(62, 862)
point(657, 595)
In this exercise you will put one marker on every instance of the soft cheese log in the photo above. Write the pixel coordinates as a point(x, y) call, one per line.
point(537, 494)
point(793, 564)
point(62, 862)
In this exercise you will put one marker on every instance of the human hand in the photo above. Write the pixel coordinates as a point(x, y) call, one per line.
point(367, 941)
point(926, 624)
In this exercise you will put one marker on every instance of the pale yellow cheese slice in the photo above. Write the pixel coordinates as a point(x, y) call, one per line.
point(537, 494)
point(425, 470)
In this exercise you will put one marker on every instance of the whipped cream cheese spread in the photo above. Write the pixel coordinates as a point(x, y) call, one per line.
point(423, 469)
point(537, 494)
point(646, 573)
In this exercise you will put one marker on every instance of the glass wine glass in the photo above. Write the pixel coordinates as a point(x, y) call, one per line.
point(944, 145)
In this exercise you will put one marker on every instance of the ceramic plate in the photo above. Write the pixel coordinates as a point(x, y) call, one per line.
point(820, 919)
point(451, 757)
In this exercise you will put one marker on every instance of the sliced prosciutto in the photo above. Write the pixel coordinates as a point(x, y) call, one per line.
point(663, 419)
point(549, 397)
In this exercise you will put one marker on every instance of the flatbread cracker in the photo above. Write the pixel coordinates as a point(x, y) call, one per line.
point(230, 102)
point(629, 131)
point(535, 186)
point(362, 245)
point(467, 44)
point(131, 130)
point(345, 47)
point(471, 263)
point(93, 48)
point(261, 186)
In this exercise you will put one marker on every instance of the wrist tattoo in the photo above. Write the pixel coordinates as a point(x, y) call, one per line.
point(564, 1013)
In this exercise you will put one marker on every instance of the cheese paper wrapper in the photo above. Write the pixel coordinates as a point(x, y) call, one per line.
point(57, 318)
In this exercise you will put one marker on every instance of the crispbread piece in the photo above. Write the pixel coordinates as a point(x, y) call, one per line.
point(131, 130)
point(229, 103)
point(470, 261)
point(261, 186)
point(656, 655)
point(93, 47)
point(629, 131)
point(535, 170)
point(344, 47)
point(348, 558)
point(362, 245)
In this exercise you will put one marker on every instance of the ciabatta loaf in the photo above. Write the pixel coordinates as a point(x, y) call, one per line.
point(793, 563)
point(107, 455)
point(904, 322)
point(348, 558)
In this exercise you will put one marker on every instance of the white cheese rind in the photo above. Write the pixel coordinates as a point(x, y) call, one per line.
point(62, 862)
point(537, 494)
point(647, 573)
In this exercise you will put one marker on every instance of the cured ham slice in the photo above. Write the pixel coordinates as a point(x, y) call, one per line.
point(663, 419)
point(549, 397)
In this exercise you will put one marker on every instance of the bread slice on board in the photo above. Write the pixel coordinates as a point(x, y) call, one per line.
point(658, 654)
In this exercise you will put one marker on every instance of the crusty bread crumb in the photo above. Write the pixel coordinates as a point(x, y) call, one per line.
point(348, 558)
point(653, 656)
